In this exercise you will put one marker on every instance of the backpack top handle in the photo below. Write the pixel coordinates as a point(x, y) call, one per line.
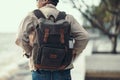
point(39, 14)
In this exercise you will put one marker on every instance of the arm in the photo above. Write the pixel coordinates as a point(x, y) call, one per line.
point(25, 32)
point(80, 35)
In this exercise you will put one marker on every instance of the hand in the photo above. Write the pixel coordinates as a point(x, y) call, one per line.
point(74, 54)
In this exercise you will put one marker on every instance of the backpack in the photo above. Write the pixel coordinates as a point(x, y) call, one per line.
point(54, 42)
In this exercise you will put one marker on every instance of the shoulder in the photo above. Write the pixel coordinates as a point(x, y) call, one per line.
point(30, 16)
point(29, 20)
point(70, 18)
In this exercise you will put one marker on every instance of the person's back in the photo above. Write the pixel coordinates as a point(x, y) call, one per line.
point(27, 39)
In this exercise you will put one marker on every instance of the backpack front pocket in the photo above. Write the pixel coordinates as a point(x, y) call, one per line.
point(52, 57)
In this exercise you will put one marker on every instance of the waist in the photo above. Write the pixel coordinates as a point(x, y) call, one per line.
point(52, 71)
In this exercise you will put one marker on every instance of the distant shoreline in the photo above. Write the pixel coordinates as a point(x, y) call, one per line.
point(7, 33)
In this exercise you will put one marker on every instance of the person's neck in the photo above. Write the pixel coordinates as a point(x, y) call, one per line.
point(50, 2)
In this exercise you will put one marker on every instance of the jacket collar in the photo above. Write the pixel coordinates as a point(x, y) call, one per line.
point(50, 6)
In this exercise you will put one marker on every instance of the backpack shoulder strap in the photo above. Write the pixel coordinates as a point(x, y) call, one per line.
point(38, 14)
point(61, 15)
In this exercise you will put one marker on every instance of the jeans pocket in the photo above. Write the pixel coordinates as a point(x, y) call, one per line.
point(38, 75)
point(68, 78)
point(67, 75)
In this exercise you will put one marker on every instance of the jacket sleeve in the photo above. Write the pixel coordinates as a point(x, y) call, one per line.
point(79, 33)
point(25, 29)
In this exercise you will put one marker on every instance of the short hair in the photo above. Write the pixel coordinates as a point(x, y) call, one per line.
point(54, 2)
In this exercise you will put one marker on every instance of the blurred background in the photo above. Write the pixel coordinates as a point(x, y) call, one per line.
point(99, 61)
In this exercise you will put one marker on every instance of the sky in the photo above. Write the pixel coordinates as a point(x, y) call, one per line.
point(13, 11)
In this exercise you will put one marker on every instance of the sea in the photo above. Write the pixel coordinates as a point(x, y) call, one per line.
point(10, 54)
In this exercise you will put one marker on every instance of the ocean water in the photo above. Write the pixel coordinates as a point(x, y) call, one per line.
point(7, 42)
point(10, 53)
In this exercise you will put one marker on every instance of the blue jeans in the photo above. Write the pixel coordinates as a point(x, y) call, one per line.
point(51, 75)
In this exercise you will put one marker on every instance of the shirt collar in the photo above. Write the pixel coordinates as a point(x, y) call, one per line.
point(50, 6)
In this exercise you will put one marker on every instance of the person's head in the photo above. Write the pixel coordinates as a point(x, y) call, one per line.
point(41, 3)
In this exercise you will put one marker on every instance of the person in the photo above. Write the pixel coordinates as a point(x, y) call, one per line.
point(26, 36)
